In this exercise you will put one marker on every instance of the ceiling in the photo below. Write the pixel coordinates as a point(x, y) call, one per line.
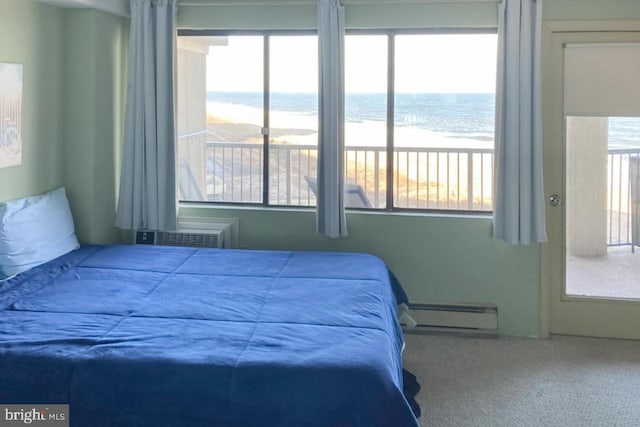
point(119, 7)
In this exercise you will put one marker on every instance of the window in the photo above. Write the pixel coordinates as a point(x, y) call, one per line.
point(366, 80)
point(444, 121)
point(234, 114)
point(293, 119)
point(419, 112)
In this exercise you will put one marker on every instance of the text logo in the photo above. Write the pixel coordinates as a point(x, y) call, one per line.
point(34, 415)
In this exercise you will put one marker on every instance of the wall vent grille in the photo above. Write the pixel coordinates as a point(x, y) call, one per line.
point(211, 239)
point(191, 238)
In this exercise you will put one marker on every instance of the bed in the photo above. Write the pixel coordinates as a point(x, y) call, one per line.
point(139, 335)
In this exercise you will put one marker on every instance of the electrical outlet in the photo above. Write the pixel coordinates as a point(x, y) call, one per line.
point(145, 238)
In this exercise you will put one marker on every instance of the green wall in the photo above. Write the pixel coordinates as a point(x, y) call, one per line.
point(32, 34)
point(303, 16)
point(73, 100)
point(411, 14)
point(95, 45)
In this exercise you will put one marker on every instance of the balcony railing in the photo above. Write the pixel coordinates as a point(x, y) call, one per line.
point(619, 196)
point(424, 178)
point(457, 179)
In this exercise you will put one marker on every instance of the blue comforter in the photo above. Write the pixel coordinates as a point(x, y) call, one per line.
point(159, 336)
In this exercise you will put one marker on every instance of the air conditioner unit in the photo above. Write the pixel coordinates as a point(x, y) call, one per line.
point(189, 237)
point(230, 227)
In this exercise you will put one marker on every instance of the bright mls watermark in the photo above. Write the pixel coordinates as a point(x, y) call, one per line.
point(34, 415)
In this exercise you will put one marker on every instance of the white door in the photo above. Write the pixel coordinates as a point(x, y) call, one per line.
point(591, 137)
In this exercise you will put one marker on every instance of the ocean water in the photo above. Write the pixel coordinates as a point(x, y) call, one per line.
point(454, 115)
point(624, 132)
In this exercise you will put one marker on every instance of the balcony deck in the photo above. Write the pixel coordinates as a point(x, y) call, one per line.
point(614, 275)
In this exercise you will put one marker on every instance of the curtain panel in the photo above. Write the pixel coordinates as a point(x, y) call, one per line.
point(147, 198)
point(330, 214)
point(519, 205)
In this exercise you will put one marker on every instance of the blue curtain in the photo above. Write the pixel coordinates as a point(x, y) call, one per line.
point(519, 205)
point(330, 213)
point(147, 198)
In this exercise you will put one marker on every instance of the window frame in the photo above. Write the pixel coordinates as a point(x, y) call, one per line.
point(390, 34)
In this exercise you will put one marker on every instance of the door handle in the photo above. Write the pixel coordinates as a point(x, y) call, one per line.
point(555, 200)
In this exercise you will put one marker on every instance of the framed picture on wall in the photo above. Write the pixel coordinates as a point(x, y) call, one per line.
point(10, 114)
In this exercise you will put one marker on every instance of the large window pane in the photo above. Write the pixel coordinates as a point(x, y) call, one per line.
point(293, 116)
point(602, 198)
point(444, 121)
point(220, 139)
point(366, 120)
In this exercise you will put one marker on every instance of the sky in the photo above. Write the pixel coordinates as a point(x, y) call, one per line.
point(443, 63)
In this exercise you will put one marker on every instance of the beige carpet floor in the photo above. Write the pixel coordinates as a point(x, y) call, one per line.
point(563, 381)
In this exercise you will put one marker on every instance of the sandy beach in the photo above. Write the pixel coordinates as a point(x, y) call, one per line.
point(301, 129)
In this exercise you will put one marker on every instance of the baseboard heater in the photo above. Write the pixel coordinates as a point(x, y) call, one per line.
point(453, 318)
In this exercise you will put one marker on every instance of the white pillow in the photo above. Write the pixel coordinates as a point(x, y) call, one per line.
point(35, 230)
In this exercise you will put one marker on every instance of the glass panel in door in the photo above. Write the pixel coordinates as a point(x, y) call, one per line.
point(602, 212)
